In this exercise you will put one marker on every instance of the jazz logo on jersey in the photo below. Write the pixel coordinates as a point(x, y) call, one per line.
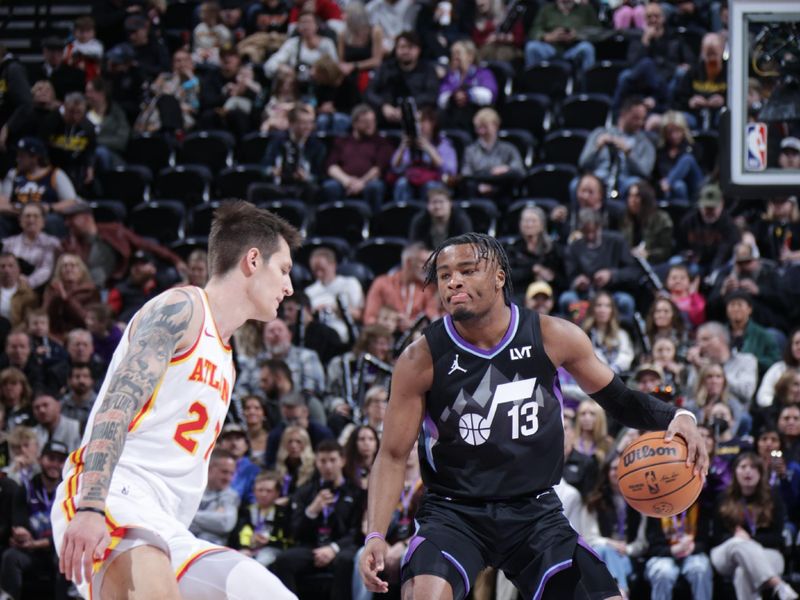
point(475, 429)
point(455, 367)
point(517, 353)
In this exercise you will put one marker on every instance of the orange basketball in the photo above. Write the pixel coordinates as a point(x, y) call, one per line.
point(654, 478)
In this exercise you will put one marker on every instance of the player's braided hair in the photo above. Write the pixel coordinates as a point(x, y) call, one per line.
point(486, 247)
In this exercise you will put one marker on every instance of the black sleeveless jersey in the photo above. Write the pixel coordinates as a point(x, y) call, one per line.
point(493, 425)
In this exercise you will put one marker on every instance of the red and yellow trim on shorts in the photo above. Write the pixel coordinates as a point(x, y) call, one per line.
point(71, 491)
point(181, 571)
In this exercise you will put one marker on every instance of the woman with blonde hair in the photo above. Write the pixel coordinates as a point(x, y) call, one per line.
point(15, 396)
point(68, 294)
point(712, 388)
point(295, 462)
point(678, 174)
point(360, 45)
point(612, 344)
point(466, 87)
point(592, 426)
point(336, 95)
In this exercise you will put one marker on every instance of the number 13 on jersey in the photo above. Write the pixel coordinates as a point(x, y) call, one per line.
point(524, 415)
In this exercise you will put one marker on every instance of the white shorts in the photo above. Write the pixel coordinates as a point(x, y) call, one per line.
point(134, 518)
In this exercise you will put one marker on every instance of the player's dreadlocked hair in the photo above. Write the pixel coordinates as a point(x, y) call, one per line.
point(486, 247)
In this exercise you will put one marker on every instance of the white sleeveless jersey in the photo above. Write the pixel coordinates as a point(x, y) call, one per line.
point(170, 440)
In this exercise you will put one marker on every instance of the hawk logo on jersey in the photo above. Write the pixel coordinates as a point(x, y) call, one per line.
point(518, 353)
point(455, 367)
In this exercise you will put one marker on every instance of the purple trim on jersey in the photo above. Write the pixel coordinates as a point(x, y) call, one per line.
point(412, 547)
point(583, 543)
point(459, 568)
point(557, 393)
point(480, 352)
point(548, 574)
point(430, 434)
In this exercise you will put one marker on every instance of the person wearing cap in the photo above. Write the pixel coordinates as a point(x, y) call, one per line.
point(747, 335)
point(759, 279)
point(707, 234)
point(35, 180)
point(150, 52)
point(233, 439)
point(30, 555)
point(64, 77)
point(16, 102)
point(107, 248)
point(648, 377)
point(141, 285)
point(539, 297)
point(789, 157)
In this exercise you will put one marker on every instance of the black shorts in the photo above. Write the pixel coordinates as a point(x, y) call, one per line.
point(529, 539)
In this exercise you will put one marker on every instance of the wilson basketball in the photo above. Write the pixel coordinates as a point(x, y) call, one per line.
point(654, 478)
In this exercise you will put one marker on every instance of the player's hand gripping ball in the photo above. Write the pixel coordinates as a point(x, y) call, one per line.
point(654, 478)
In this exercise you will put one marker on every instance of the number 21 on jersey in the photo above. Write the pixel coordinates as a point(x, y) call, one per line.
point(187, 430)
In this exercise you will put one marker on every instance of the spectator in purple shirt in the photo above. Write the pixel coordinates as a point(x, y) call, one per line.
point(466, 87)
point(358, 163)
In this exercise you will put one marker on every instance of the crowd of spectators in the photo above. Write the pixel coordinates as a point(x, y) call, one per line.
point(689, 294)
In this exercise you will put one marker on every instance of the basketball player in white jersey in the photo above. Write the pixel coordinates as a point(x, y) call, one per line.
point(121, 515)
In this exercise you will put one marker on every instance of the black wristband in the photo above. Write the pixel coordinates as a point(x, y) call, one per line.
point(99, 511)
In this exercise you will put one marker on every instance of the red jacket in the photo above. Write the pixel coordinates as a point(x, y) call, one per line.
point(124, 242)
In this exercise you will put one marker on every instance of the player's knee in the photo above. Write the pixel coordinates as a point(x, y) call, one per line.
point(248, 580)
point(427, 587)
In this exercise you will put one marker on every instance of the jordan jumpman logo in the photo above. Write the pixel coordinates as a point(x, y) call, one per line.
point(455, 367)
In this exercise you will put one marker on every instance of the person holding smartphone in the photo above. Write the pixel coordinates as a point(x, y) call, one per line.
point(325, 525)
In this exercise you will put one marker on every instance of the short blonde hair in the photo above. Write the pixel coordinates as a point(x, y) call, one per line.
point(675, 118)
point(485, 115)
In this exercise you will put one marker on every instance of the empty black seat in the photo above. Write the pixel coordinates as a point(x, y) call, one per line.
point(381, 254)
point(158, 219)
point(348, 219)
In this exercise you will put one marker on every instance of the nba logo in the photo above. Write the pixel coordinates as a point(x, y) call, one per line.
point(756, 151)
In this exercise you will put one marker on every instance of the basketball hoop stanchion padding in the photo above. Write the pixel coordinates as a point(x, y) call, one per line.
point(653, 476)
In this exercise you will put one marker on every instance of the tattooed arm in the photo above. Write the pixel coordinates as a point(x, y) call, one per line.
point(168, 323)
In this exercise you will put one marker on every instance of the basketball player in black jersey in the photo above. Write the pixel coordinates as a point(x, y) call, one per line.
point(480, 391)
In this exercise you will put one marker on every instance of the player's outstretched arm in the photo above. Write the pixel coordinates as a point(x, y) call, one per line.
point(568, 346)
point(169, 322)
point(412, 377)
